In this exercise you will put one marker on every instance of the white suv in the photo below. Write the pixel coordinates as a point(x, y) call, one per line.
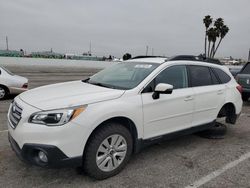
point(99, 122)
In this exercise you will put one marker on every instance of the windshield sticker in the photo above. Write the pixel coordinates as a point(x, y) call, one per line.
point(143, 66)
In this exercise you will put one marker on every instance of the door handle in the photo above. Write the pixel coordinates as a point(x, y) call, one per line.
point(219, 92)
point(188, 98)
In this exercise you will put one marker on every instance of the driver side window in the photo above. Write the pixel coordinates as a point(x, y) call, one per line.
point(175, 75)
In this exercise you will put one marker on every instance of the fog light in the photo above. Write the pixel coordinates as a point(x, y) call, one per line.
point(42, 156)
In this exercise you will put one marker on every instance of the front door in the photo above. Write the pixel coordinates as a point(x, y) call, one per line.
point(171, 112)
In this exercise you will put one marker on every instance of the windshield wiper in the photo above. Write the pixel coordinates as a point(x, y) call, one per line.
point(95, 83)
point(98, 84)
point(86, 80)
point(101, 84)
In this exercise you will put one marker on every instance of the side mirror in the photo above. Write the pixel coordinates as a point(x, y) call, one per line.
point(162, 88)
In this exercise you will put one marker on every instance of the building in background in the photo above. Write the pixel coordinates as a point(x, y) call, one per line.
point(47, 54)
point(230, 61)
point(11, 53)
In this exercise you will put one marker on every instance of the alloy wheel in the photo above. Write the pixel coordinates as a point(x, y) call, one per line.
point(111, 153)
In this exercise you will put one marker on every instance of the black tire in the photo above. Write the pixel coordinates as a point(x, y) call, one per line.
point(218, 131)
point(3, 89)
point(90, 166)
point(245, 97)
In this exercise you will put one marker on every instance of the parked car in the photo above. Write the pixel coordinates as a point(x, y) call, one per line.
point(235, 70)
point(11, 83)
point(243, 78)
point(99, 122)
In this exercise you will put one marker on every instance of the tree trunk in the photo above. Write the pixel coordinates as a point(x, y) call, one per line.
point(212, 50)
point(217, 46)
point(208, 50)
point(206, 43)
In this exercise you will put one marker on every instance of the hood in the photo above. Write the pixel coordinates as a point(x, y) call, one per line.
point(68, 94)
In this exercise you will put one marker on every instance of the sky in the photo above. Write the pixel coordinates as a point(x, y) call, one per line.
point(116, 27)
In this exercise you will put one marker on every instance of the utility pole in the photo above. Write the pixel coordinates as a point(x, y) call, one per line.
point(90, 48)
point(146, 50)
point(7, 43)
point(249, 56)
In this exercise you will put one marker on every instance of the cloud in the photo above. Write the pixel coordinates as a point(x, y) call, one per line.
point(118, 26)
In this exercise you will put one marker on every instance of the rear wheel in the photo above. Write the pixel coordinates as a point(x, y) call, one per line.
point(3, 92)
point(108, 151)
point(245, 97)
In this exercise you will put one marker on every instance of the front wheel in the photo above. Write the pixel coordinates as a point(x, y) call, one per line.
point(108, 151)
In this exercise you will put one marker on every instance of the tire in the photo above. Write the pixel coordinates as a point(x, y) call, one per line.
point(245, 97)
point(218, 131)
point(111, 159)
point(3, 92)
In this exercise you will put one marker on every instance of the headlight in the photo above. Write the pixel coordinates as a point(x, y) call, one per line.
point(56, 117)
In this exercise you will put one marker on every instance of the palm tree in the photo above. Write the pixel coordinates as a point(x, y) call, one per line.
point(218, 23)
point(211, 34)
point(207, 21)
point(223, 32)
point(214, 36)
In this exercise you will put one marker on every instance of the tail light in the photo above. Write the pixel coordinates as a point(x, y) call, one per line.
point(25, 86)
point(239, 88)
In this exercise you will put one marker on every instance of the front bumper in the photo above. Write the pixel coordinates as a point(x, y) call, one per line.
point(56, 158)
point(16, 90)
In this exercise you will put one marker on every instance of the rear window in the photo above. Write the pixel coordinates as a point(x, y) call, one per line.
point(224, 77)
point(6, 70)
point(246, 69)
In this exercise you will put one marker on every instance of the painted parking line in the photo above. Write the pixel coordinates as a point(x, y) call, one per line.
point(3, 131)
point(218, 172)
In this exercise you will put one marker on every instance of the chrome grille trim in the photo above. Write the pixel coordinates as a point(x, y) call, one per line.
point(15, 114)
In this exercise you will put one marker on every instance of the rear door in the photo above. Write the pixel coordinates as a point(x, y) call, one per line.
point(209, 94)
point(243, 77)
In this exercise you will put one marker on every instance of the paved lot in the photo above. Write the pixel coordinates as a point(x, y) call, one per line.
point(185, 161)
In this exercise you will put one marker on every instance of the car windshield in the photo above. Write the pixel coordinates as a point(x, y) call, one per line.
point(123, 75)
point(6, 70)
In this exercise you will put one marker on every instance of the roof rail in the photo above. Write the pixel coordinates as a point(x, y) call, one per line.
point(145, 56)
point(194, 58)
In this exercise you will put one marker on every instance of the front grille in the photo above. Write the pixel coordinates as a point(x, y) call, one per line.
point(15, 114)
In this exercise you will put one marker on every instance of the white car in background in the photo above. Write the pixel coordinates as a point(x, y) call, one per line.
point(11, 84)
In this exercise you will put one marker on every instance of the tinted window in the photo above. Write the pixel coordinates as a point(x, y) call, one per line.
point(215, 79)
point(224, 78)
point(176, 76)
point(200, 76)
point(246, 69)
